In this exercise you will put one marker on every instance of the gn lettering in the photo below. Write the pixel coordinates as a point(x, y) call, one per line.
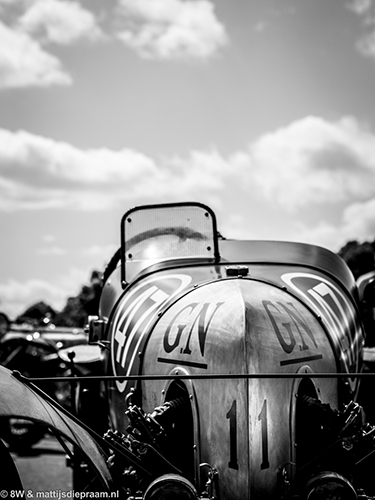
point(289, 333)
point(333, 305)
point(193, 317)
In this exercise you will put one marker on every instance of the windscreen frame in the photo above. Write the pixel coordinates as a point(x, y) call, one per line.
point(127, 215)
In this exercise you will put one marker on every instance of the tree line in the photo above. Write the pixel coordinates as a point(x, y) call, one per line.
point(75, 311)
point(360, 257)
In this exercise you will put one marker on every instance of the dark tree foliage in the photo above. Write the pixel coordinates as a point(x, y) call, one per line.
point(36, 313)
point(360, 257)
point(75, 311)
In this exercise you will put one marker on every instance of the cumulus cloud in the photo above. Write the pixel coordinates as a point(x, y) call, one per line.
point(24, 63)
point(313, 161)
point(308, 165)
point(61, 22)
point(162, 29)
point(365, 10)
point(169, 29)
point(360, 7)
point(27, 26)
point(38, 173)
point(310, 162)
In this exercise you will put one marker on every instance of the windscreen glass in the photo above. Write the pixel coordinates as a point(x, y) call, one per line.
point(152, 234)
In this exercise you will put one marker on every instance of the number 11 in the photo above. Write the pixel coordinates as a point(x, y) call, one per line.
point(232, 415)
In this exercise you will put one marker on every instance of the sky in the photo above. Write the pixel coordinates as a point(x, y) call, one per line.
point(262, 109)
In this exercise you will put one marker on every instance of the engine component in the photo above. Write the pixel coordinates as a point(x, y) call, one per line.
point(328, 485)
point(144, 441)
point(344, 467)
point(212, 477)
point(171, 486)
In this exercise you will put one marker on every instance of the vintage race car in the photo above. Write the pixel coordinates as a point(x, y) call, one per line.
point(229, 369)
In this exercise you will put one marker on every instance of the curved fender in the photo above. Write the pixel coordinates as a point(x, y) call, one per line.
point(19, 400)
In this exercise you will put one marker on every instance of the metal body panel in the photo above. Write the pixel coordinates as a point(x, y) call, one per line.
point(289, 254)
point(138, 309)
point(225, 327)
point(19, 400)
point(268, 253)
